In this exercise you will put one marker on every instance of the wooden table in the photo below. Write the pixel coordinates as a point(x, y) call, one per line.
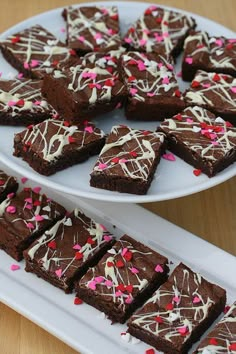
point(209, 214)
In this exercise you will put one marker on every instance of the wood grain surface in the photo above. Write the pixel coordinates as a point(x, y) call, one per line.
point(210, 214)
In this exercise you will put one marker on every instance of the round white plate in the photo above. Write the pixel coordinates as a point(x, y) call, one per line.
point(172, 179)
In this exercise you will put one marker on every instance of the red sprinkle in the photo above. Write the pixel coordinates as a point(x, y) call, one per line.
point(2, 182)
point(226, 309)
point(158, 319)
point(129, 288)
point(169, 307)
point(72, 52)
point(150, 351)
point(178, 117)
point(133, 153)
point(110, 264)
point(115, 17)
point(128, 256)
point(197, 172)
point(115, 159)
point(20, 103)
point(195, 83)
point(66, 123)
point(213, 341)
point(90, 241)
point(37, 203)
point(52, 245)
point(15, 39)
point(177, 93)
point(148, 12)
point(119, 264)
point(159, 20)
point(78, 301)
point(228, 124)
point(229, 46)
point(71, 139)
point(232, 346)
point(109, 83)
point(120, 287)
point(131, 78)
point(79, 255)
point(216, 77)
point(131, 30)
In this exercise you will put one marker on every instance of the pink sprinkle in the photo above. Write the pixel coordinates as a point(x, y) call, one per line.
point(28, 200)
point(20, 75)
point(133, 91)
point(213, 136)
point(123, 161)
point(189, 120)
point(179, 74)
point(158, 38)
point(176, 299)
point(11, 209)
point(151, 94)
point(232, 40)
point(128, 40)
point(39, 217)
point(189, 60)
point(233, 89)
point(183, 330)
point(160, 65)
point(206, 85)
point(62, 29)
point(107, 238)
point(77, 247)
point(103, 227)
point(146, 31)
point(30, 225)
point(15, 267)
point(159, 269)
point(10, 195)
point(165, 34)
point(24, 180)
point(11, 103)
point(134, 270)
point(215, 143)
point(89, 129)
point(142, 41)
point(118, 293)
point(152, 7)
point(104, 11)
point(58, 272)
point(219, 42)
point(110, 31)
point(37, 103)
point(26, 65)
point(108, 283)
point(196, 300)
point(97, 35)
point(34, 63)
point(118, 105)
point(141, 65)
point(124, 251)
point(37, 189)
point(102, 166)
point(92, 285)
point(99, 279)
point(98, 86)
point(128, 300)
point(170, 67)
point(81, 39)
point(169, 156)
point(165, 80)
point(29, 206)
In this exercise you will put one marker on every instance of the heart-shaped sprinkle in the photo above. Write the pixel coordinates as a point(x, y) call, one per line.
point(169, 307)
point(134, 270)
point(129, 299)
point(120, 264)
point(159, 269)
point(232, 346)
point(169, 156)
point(183, 330)
point(110, 264)
point(77, 247)
point(196, 129)
point(29, 225)
point(79, 255)
point(150, 351)
point(213, 341)
point(78, 301)
point(59, 272)
point(107, 238)
point(24, 180)
point(92, 285)
point(39, 217)
point(10, 195)
point(196, 300)
point(102, 166)
point(11, 209)
point(89, 129)
point(128, 256)
point(176, 299)
point(99, 279)
point(37, 190)
point(129, 288)
point(189, 60)
point(233, 89)
point(15, 267)
point(52, 244)
point(90, 241)
point(108, 283)
point(197, 172)
point(68, 222)
point(133, 91)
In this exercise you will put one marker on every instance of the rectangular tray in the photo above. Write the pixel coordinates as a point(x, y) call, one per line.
point(82, 327)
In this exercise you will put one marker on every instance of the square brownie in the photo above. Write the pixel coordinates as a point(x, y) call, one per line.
point(8, 185)
point(215, 92)
point(65, 252)
point(92, 28)
point(179, 312)
point(128, 160)
point(123, 279)
point(54, 145)
point(153, 91)
point(21, 102)
point(201, 139)
point(159, 30)
point(25, 217)
point(222, 339)
point(86, 89)
point(213, 54)
point(34, 51)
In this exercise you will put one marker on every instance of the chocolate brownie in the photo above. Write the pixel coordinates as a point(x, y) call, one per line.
point(201, 139)
point(92, 28)
point(179, 312)
point(215, 92)
point(159, 30)
point(34, 51)
point(25, 217)
point(54, 145)
point(123, 279)
point(65, 252)
point(21, 102)
point(213, 54)
point(153, 91)
point(8, 185)
point(128, 160)
point(222, 339)
point(86, 89)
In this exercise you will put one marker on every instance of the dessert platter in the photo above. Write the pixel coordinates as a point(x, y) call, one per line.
point(75, 180)
point(85, 125)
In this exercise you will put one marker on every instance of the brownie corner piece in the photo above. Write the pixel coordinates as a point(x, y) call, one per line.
point(92, 28)
point(24, 217)
point(201, 139)
point(179, 312)
point(153, 90)
point(159, 30)
point(123, 279)
point(128, 160)
point(8, 185)
point(54, 145)
point(64, 253)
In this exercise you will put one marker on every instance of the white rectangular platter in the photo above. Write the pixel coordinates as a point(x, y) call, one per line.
point(83, 327)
